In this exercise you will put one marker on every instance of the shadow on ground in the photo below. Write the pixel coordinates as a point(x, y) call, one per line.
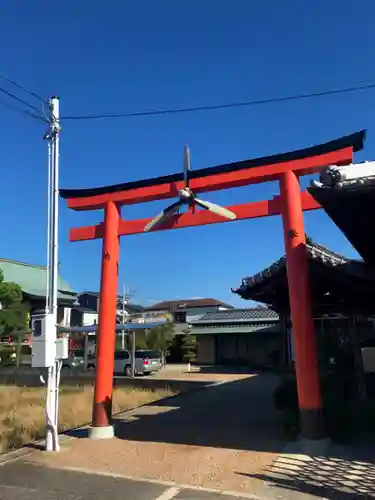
point(347, 475)
point(236, 415)
point(240, 415)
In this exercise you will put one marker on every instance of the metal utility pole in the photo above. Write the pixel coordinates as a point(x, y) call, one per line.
point(133, 354)
point(124, 302)
point(52, 400)
point(126, 296)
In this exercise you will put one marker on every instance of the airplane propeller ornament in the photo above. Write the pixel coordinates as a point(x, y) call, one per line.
point(187, 197)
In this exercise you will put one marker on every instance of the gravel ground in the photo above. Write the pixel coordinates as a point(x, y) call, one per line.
point(219, 438)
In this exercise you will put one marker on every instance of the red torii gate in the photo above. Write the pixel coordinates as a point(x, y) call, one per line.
point(286, 168)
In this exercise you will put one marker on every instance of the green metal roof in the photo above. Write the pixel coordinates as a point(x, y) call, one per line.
point(32, 280)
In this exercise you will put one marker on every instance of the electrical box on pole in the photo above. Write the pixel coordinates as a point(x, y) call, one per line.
point(43, 346)
point(62, 348)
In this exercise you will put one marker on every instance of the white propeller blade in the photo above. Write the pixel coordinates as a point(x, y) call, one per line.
point(171, 210)
point(216, 209)
point(186, 164)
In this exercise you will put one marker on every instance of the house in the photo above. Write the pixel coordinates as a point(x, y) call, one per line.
point(89, 305)
point(186, 310)
point(82, 316)
point(343, 298)
point(33, 279)
point(237, 337)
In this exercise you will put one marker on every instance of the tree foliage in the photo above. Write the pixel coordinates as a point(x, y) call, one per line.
point(309, 240)
point(189, 347)
point(159, 338)
point(14, 314)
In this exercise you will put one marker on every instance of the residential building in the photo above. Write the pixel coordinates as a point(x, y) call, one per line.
point(237, 337)
point(33, 279)
point(184, 311)
point(89, 301)
point(82, 316)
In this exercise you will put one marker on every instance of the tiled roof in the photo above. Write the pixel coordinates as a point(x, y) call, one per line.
point(239, 316)
point(183, 304)
point(351, 208)
point(32, 280)
point(317, 253)
point(94, 294)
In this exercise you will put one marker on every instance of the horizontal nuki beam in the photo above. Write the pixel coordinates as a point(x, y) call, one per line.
point(250, 210)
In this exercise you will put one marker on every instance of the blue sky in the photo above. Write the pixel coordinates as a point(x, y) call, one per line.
point(141, 55)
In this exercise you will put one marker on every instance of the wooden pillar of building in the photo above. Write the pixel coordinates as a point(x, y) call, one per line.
point(305, 348)
point(102, 406)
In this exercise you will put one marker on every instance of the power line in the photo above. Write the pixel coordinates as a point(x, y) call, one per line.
point(219, 106)
point(3, 77)
point(23, 111)
point(20, 100)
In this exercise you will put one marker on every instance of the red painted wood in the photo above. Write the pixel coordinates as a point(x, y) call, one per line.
point(252, 210)
point(305, 348)
point(102, 405)
point(215, 182)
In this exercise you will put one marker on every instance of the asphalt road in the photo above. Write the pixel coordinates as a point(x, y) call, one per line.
point(23, 481)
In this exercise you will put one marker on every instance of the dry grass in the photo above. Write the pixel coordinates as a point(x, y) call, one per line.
point(22, 416)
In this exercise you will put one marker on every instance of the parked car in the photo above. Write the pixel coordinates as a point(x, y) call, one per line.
point(75, 360)
point(146, 362)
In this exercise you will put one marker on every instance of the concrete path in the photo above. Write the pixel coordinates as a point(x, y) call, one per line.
point(211, 444)
point(217, 438)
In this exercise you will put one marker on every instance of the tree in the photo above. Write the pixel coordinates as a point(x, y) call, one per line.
point(309, 240)
point(159, 338)
point(189, 347)
point(14, 313)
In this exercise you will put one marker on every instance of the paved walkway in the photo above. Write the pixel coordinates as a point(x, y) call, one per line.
point(216, 438)
point(211, 444)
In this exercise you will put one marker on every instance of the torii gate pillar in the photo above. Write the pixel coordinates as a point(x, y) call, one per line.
point(102, 407)
point(304, 339)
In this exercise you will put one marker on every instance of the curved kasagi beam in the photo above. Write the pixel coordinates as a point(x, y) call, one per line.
point(119, 328)
point(218, 177)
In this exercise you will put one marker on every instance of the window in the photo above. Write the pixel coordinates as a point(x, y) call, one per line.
point(121, 355)
point(180, 317)
point(147, 354)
